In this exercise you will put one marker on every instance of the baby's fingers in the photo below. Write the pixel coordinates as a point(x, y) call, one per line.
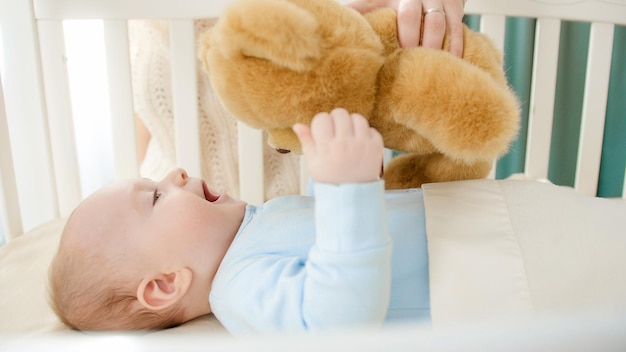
point(360, 125)
point(322, 127)
point(304, 135)
point(342, 121)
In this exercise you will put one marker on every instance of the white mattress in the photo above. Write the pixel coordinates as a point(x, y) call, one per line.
point(504, 267)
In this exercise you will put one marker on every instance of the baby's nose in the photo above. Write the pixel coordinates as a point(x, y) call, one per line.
point(179, 176)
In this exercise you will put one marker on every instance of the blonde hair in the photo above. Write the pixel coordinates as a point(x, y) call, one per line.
point(88, 291)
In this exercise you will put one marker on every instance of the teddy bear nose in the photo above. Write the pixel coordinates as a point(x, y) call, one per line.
point(283, 151)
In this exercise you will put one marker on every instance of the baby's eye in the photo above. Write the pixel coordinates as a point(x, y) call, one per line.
point(156, 196)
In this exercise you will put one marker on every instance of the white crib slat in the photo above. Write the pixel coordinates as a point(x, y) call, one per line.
point(121, 98)
point(123, 9)
point(594, 107)
point(304, 176)
point(494, 27)
point(250, 150)
point(576, 10)
point(624, 186)
point(26, 117)
point(62, 140)
point(9, 201)
point(185, 96)
point(542, 99)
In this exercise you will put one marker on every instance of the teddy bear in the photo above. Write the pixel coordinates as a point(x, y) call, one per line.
point(273, 63)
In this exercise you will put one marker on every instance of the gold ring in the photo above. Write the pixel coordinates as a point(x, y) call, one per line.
point(435, 9)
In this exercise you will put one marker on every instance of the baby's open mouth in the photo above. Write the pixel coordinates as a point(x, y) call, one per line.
point(207, 193)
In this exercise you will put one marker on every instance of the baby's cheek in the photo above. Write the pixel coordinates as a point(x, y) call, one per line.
point(182, 215)
point(202, 216)
point(192, 221)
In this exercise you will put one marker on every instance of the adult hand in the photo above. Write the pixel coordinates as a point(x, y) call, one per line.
point(340, 147)
point(423, 22)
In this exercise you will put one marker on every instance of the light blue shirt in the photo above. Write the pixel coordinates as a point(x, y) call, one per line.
point(352, 255)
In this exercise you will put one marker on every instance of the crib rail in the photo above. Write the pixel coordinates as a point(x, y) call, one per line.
point(40, 178)
point(123, 9)
point(36, 69)
point(9, 200)
point(600, 11)
point(603, 16)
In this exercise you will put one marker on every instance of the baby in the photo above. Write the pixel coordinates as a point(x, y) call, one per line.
point(139, 254)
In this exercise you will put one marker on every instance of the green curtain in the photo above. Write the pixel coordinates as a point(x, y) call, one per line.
point(519, 42)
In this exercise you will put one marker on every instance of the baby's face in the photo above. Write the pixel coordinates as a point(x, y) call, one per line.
point(161, 226)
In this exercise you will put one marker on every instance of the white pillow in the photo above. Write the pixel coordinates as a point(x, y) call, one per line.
point(23, 280)
point(24, 305)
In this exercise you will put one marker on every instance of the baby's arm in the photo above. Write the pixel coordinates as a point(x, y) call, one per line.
point(278, 282)
point(340, 147)
point(348, 271)
point(344, 279)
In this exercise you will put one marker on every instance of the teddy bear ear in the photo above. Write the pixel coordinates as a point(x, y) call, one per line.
point(277, 31)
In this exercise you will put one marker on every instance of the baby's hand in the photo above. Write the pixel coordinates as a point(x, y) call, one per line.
point(341, 148)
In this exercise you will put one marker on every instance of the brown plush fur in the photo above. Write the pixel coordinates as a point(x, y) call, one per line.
point(277, 62)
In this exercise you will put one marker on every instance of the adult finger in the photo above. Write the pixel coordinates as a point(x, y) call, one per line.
point(434, 24)
point(409, 23)
point(454, 22)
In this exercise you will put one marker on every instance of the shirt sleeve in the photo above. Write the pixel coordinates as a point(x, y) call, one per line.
point(348, 279)
point(341, 279)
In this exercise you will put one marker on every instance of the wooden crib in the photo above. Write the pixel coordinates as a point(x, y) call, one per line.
point(39, 173)
point(40, 178)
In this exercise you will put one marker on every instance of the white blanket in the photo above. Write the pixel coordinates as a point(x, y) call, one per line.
point(516, 249)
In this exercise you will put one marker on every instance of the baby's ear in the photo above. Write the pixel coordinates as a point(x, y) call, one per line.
point(163, 290)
